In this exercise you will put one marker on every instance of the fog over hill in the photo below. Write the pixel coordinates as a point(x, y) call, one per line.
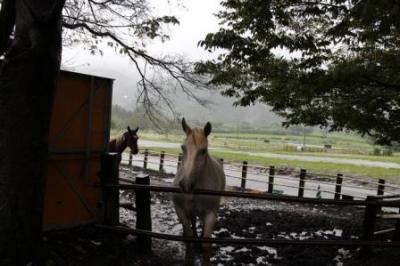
point(220, 108)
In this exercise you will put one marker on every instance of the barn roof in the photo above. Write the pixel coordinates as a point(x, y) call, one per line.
point(66, 69)
point(87, 74)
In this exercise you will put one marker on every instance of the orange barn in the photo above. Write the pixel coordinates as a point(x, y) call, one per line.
point(79, 134)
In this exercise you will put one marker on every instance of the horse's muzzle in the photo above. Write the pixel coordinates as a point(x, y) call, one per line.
point(186, 187)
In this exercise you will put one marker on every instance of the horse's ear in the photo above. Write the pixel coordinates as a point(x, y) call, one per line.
point(185, 127)
point(207, 129)
point(136, 130)
point(129, 129)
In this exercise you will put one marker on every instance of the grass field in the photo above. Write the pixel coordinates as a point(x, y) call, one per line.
point(391, 175)
point(341, 143)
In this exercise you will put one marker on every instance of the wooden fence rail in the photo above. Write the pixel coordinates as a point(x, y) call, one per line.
point(110, 187)
point(252, 241)
point(143, 205)
point(338, 185)
point(260, 196)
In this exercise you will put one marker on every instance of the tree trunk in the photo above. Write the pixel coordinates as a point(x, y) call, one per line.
point(27, 84)
point(7, 18)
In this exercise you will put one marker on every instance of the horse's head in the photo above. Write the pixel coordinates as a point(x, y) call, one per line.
point(131, 139)
point(195, 155)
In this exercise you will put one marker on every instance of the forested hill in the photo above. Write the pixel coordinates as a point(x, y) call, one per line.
point(219, 109)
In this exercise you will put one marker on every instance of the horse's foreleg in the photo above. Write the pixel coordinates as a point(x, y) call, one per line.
point(185, 220)
point(194, 229)
point(209, 221)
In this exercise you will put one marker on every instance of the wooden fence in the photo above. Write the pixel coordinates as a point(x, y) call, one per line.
point(111, 184)
point(244, 168)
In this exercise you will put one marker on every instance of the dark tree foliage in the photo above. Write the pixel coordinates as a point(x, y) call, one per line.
point(332, 63)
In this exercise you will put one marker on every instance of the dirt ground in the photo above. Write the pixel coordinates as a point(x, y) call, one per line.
point(238, 218)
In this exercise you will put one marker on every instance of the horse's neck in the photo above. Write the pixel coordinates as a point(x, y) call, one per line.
point(208, 167)
point(118, 144)
point(208, 160)
point(212, 176)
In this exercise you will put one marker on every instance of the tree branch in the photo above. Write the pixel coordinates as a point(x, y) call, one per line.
point(151, 94)
point(100, 3)
point(173, 68)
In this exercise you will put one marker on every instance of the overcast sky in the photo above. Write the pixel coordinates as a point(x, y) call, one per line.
point(196, 20)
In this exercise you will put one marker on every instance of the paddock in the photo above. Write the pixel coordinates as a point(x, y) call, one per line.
point(373, 227)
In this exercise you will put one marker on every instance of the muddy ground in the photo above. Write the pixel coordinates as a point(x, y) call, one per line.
point(238, 218)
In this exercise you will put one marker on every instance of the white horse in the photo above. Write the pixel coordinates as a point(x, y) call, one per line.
point(198, 171)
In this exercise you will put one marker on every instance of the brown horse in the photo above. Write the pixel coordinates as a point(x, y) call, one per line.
point(127, 139)
point(198, 171)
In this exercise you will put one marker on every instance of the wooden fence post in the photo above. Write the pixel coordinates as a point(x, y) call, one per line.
point(381, 187)
point(271, 179)
point(381, 190)
point(302, 182)
point(143, 213)
point(161, 167)
point(338, 187)
point(244, 175)
point(396, 235)
point(179, 161)
point(145, 159)
point(368, 228)
point(130, 158)
point(109, 175)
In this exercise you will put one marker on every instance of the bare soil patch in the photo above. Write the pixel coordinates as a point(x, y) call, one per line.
point(238, 218)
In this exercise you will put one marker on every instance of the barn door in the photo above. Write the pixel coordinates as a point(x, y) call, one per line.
point(80, 129)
